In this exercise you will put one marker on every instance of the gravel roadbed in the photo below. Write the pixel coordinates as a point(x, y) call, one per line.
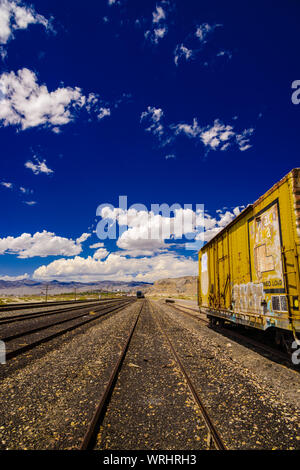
point(45, 309)
point(253, 402)
point(151, 406)
point(49, 402)
point(28, 324)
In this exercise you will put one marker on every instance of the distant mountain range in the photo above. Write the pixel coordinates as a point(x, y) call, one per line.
point(28, 287)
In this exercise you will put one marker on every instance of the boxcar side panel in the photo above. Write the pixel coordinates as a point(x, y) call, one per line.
point(249, 273)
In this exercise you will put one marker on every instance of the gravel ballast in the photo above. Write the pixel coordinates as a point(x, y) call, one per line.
point(253, 402)
point(48, 403)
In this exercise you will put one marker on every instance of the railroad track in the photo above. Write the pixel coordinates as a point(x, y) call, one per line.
point(18, 343)
point(214, 438)
point(89, 440)
point(258, 345)
point(31, 305)
point(29, 316)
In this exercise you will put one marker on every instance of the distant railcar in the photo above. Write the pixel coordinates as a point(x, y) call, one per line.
point(249, 272)
point(140, 295)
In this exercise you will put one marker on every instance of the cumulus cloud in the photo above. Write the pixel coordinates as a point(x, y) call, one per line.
point(225, 53)
point(14, 278)
point(38, 167)
point(213, 225)
point(6, 184)
point(26, 104)
point(182, 51)
point(82, 238)
point(152, 117)
point(156, 34)
point(103, 112)
point(16, 15)
point(116, 266)
point(138, 259)
point(97, 245)
point(203, 30)
point(30, 203)
point(159, 28)
point(216, 136)
point(100, 253)
point(196, 44)
point(40, 244)
point(145, 232)
point(159, 14)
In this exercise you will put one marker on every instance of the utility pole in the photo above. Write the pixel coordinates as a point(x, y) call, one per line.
point(46, 292)
point(75, 292)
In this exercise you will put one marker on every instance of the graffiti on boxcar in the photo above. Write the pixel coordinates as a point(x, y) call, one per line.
point(248, 297)
point(265, 238)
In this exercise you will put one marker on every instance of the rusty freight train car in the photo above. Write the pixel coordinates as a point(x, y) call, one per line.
point(249, 272)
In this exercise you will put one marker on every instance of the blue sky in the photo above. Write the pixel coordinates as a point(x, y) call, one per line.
point(182, 102)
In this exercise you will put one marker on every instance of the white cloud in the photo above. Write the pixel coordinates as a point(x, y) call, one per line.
point(153, 116)
point(138, 259)
point(159, 14)
point(159, 26)
point(203, 30)
point(97, 245)
point(16, 15)
point(38, 167)
point(25, 190)
point(103, 112)
point(133, 240)
point(190, 130)
point(218, 136)
point(182, 51)
point(14, 278)
point(118, 267)
point(100, 253)
point(244, 138)
point(156, 34)
point(147, 231)
point(6, 184)
point(26, 104)
point(40, 244)
point(213, 226)
point(30, 203)
point(82, 238)
point(223, 53)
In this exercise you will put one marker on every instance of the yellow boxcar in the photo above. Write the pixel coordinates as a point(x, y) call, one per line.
point(249, 272)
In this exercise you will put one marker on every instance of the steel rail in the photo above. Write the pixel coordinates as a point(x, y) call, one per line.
point(49, 325)
point(29, 316)
point(90, 435)
point(29, 346)
point(188, 313)
point(30, 305)
point(213, 432)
